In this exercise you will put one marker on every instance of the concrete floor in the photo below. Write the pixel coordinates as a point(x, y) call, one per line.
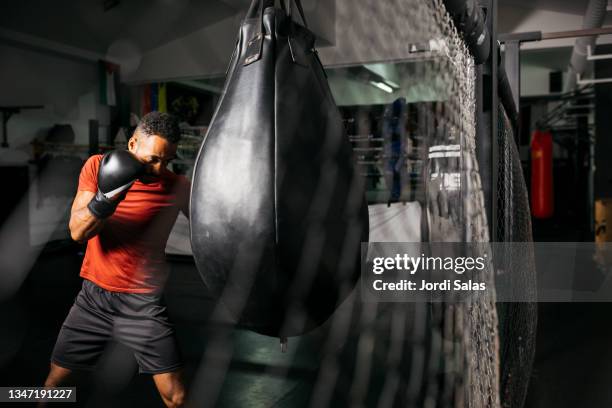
point(256, 373)
point(253, 371)
point(225, 365)
point(573, 364)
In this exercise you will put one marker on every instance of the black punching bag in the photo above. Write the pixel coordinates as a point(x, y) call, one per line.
point(278, 211)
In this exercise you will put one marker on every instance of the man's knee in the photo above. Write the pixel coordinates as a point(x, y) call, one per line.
point(174, 398)
point(171, 388)
point(57, 376)
point(177, 399)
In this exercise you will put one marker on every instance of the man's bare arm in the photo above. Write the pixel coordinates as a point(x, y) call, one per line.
point(83, 225)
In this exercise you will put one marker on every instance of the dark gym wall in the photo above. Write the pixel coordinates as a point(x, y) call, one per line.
point(603, 126)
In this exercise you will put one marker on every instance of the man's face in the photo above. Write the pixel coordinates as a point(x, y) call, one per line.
point(154, 151)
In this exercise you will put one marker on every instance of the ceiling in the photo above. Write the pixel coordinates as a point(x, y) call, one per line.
point(563, 6)
point(86, 25)
point(133, 27)
point(147, 24)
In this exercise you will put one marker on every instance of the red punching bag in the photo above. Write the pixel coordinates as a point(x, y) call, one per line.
point(541, 174)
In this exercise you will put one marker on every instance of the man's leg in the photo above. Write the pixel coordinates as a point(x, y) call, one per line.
point(57, 376)
point(85, 332)
point(171, 388)
point(81, 340)
point(142, 324)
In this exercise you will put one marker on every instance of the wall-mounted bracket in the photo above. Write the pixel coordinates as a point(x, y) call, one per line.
point(581, 81)
point(592, 57)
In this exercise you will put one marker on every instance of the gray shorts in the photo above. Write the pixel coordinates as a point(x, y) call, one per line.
point(139, 321)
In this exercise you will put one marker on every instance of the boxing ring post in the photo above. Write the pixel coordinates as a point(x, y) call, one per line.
point(486, 120)
point(476, 21)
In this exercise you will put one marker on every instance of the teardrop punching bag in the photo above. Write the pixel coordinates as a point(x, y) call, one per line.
point(541, 174)
point(278, 211)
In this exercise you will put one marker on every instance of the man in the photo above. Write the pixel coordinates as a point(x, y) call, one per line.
point(125, 207)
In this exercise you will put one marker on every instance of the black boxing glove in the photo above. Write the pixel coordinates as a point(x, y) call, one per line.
point(118, 170)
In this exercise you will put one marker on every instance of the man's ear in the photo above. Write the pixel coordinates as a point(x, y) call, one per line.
point(132, 143)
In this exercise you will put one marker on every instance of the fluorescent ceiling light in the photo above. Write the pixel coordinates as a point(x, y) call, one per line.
point(382, 86)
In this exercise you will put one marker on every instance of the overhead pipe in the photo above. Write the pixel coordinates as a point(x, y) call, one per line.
point(593, 18)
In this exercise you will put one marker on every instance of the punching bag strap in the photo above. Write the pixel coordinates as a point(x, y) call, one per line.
point(254, 46)
point(299, 50)
point(253, 8)
point(298, 4)
point(284, 7)
point(288, 9)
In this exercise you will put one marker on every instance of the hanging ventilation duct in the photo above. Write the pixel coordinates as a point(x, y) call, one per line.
point(593, 18)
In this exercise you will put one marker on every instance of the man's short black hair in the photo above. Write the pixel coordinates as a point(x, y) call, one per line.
point(160, 124)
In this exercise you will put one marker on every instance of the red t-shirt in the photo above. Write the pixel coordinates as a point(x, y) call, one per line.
point(128, 255)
